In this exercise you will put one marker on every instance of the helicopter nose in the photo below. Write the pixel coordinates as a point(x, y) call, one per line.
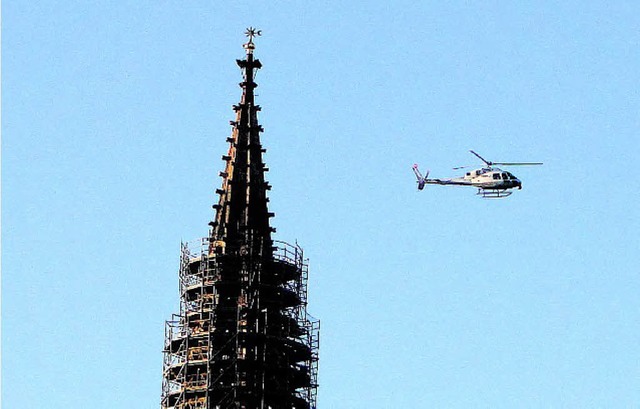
point(519, 184)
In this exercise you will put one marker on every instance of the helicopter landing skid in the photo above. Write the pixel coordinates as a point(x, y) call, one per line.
point(493, 193)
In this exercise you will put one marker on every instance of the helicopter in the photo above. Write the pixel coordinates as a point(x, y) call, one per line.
point(492, 183)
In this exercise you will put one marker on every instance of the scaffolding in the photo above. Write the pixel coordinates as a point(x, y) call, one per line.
point(243, 337)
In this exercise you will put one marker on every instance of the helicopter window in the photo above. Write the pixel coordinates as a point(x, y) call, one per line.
point(478, 172)
point(510, 175)
point(504, 176)
point(468, 173)
point(496, 176)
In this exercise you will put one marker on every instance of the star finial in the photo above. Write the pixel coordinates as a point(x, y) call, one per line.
point(251, 32)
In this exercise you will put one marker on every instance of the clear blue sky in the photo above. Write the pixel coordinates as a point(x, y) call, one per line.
point(114, 118)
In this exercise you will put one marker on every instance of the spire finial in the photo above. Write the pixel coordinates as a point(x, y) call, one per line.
point(251, 32)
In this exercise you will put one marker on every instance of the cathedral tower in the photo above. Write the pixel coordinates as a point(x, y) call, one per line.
point(242, 338)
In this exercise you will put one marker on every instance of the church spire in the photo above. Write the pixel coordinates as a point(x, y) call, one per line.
point(243, 337)
point(242, 215)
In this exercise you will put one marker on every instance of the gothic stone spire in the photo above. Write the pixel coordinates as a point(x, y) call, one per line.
point(242, 216)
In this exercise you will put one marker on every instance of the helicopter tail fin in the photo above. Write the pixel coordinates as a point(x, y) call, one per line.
point(422, 180)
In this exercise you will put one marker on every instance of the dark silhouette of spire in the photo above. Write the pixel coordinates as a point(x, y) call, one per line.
point(242, 215)
point(243, 338)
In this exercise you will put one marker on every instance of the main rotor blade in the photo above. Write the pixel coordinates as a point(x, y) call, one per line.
point(463, 167)
point(482, 159)
point(517, 163)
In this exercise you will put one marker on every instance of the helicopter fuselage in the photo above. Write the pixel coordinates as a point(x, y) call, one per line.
point(483, 178)
point(493, 178)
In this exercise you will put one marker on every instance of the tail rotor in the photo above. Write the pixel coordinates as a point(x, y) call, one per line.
point(422, 180)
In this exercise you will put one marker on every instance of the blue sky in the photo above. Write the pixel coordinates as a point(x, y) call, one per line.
point(114, 119)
